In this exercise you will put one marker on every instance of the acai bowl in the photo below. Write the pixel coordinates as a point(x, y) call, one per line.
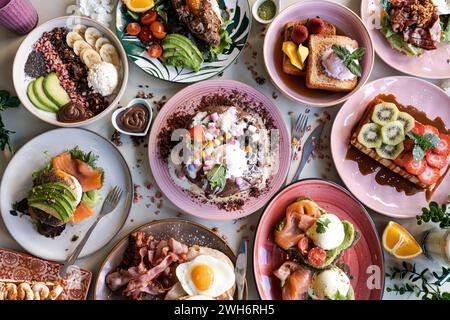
point(70, 71)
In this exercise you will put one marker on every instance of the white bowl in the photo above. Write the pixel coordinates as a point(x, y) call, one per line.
point(130, 104)
point(255, 10)
point(21, 82)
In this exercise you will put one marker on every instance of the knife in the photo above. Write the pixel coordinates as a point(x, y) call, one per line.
point(307, 150)
point(241, 269)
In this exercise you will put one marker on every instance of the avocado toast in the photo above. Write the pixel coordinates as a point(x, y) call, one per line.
point(66, 190)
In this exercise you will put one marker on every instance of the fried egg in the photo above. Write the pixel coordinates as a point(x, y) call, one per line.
point(327, 232)
point(331, 284)
point(205, 275)
point(199, 297)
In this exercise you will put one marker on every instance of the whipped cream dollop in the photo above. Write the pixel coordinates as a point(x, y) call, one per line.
point(334, 66)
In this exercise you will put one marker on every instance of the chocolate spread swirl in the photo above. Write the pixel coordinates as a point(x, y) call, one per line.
point(134, 119)
point(72, 112)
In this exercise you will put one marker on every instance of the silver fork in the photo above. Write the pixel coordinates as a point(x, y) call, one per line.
point(297, 132)
point(110, 203)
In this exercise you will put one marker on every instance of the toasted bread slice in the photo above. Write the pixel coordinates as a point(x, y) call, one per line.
point(288, 67)
point(316, 77)
point(385, 162)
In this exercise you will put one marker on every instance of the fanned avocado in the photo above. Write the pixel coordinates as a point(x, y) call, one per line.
point(54, 90)
point(56, 186)
point(53, 209)
point(51, 197)
point(181, 51)
point(38, 87)
point(34, 100)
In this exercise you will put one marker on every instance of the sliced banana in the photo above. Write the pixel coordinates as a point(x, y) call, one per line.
point(79, 46)
point(109, 54)
point(100, 43)
point(80, 29)
point(72, 37)
point(91, 35)
point(91, 57)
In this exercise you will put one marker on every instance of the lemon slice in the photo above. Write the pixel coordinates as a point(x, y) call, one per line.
point(139, 5)
point(399, 242)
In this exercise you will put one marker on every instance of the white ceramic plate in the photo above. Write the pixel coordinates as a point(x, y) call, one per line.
point(21, 80)
point(33, 156)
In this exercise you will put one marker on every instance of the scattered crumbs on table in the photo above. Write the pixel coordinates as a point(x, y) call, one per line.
point(157, 212)
point(179, 214)
point(215, 229)
point(144, 95)
point(307, 110)
point(116, 138)
point(263, 31)
point(74, 238)
point(148, 205)
point(160, 103)
point(274, 95)
point(158, 194)
point(149, 186)
point(66, 249)
point(220, 74)
point(137, 196)
point(131, 220)
point(242, 228)
point(160, 204)
point(252, 228)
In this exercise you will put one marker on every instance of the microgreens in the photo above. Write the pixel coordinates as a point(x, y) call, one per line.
point(350, 58)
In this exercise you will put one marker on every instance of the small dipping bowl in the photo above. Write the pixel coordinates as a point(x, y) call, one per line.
point(116, 117)
point(259, 3)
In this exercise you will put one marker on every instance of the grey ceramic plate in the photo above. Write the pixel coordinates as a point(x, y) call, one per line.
point(186, 232)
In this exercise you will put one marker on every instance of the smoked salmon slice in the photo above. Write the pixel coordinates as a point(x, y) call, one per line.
point(89, 178)
point(82, 212)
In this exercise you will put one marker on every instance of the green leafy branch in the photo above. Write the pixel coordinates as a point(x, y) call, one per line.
point(6, 102)
point(424, 284)
point(436, 214)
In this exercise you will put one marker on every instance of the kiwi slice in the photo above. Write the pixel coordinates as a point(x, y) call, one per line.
point(370, 135)
point(390, 152)
point(384, 113)
point(407, 120)
point(392, 133)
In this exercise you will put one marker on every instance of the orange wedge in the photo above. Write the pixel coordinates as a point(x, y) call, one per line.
point(399, 242)
point(139, 5)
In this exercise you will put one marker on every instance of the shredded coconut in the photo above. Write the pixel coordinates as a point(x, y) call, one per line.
point(99, 10)
point(103, 78)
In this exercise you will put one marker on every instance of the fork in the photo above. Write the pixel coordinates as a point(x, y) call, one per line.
point(110, 203)
point(297, 132)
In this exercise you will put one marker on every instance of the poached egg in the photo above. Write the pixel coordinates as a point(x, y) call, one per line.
point(327, 232)
point(329, 284)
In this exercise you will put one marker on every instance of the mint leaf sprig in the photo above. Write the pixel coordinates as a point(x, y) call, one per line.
point(6, 102)
point(435, 213)
point(422, 143)
point(424, 284)
point(322, 225)
point(350, 58)
point(216, 177)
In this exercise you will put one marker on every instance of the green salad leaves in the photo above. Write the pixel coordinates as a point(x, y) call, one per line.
point(6, 102)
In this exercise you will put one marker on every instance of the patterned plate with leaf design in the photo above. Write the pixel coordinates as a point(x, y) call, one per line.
point(238, 28)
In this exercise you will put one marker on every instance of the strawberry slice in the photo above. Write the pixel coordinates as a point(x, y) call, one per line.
point(437, 161)
point(418, 128)
point(430, 129)
point(414, 167)
point(408, 145)
point(197, 133)
point(430, 176)
point(443, 147)
point(403, 158)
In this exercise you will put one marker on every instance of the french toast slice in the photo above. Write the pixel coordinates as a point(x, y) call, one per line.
point(288, 67)
point(316, 76)
point(391, 165)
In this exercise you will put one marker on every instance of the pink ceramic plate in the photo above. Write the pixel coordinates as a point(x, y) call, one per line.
point(433, 64)
point(385, 199)
point(22, 266)
point(362, 259)
point(186, 100)
point(347, 23)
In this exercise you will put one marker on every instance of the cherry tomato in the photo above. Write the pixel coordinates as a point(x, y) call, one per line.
point(157, 29)
point(146, 35)
point(155, 50)
point(149, 17)
point(317, 257)
point(133, 28)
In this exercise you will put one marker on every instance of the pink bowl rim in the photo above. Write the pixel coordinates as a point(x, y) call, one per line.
point(347, 192)
point(221, 215)
point(361, 82)
point(379, 49)
point(333, 129)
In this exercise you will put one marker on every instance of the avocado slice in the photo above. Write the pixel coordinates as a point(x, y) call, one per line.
point(34, 100)
point(54, 90)
point(179, 58)
point(51, 195)
point(41, 96)
point(52, 209)
point(185, 43)
point(57, 187)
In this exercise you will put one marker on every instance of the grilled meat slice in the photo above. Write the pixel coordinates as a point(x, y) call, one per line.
point(200, 18)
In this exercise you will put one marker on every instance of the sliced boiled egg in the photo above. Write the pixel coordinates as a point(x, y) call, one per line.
point(327, 232)
point(205, 276)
